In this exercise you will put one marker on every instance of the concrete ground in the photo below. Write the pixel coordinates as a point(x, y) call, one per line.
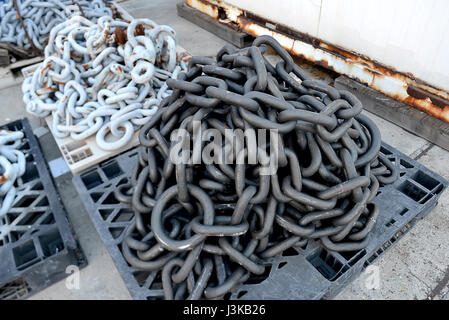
point(416, 268)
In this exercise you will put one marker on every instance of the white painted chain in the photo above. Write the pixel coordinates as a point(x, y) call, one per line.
point(12, 167)
point(93, 82)
point(41, 16)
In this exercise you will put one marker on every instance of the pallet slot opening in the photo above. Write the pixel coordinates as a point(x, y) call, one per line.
point(91, 179)
point(112, 170)
point(31, 173)
point(51, 243)
point(353, 256)
point(405, 164)
point(124, 215)
point(412, 191)
point(25, 255)
point(256, 279)
point(327, 264)
point(425, 180)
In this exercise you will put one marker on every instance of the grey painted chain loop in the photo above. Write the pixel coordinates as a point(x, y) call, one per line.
point(225, 221)
point(105, 79)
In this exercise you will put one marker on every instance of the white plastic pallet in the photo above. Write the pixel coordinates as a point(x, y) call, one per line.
point(81, 155)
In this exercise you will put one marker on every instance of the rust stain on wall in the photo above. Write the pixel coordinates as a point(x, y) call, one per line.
point(205, 7)
point(398, 85)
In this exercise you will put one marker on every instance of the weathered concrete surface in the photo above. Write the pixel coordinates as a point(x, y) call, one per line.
point(416, 268)
point(195, 40)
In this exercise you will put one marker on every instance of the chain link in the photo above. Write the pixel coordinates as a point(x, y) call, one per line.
point(27, 23)
point(208, 227)
point(105, 78)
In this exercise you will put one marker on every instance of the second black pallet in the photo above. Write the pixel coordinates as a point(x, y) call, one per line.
point(308, 273)
point(36, 240)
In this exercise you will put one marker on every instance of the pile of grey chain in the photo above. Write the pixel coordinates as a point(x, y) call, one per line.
point(206, 228)
point(12, 167)
point(105, 79)
point(25, 20)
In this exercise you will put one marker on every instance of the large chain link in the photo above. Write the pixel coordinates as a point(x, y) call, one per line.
point(208, 227)
point(105, 78)
point(12, 167)
point(25, 20)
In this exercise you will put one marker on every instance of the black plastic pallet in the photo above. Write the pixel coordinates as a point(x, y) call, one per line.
point(36, 240)
point(308, 273)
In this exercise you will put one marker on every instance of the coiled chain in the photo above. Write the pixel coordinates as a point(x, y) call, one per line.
point(105, 78)
point(207, 227)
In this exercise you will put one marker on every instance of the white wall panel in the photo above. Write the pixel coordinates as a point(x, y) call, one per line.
point(408, 35)
point(405, 34)
point(303, 14)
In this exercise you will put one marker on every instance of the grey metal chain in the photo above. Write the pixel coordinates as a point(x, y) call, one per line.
point(206, 228)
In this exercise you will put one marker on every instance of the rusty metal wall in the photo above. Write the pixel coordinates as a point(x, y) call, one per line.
point(374, 42)
point(405, 34)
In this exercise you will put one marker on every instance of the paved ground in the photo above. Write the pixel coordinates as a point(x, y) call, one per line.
point(416, 268)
